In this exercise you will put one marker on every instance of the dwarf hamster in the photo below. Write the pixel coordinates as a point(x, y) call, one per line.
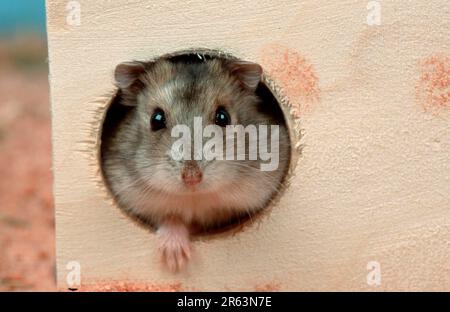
point(175, 196)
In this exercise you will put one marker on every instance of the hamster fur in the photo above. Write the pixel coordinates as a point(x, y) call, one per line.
point(143, 176)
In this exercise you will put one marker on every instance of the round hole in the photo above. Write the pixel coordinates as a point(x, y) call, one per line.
point(117, 164)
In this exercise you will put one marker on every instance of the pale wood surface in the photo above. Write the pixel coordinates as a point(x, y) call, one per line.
point(373, 183)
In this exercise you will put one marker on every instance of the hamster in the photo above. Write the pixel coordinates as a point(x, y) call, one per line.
point(178, 196)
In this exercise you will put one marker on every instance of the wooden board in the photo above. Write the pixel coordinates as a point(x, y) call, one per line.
point(369, 204)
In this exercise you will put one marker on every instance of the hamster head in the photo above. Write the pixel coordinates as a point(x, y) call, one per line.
point(152, 178)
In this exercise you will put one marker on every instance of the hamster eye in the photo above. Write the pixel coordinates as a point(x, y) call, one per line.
point(158, 120)
point(222, 117)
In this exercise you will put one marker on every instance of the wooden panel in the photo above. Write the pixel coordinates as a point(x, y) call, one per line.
point(372, 185)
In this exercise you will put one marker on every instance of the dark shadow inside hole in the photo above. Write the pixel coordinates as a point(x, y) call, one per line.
point(269, 105)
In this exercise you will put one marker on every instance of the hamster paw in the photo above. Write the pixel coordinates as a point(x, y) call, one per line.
point(174, 245)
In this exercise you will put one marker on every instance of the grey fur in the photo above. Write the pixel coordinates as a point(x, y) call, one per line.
point(137, 165)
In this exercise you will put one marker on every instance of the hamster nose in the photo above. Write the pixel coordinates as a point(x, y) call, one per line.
point(191, 173)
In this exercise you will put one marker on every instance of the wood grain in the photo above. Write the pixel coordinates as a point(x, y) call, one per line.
point(374, 178)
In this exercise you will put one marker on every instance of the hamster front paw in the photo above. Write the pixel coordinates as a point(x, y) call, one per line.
point(174, 244)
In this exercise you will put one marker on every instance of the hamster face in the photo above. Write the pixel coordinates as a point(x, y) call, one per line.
point(138, 160)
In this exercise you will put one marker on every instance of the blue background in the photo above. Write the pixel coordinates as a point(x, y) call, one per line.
point(17, 16)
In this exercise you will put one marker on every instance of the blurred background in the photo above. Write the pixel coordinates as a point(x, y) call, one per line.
point(27, 247)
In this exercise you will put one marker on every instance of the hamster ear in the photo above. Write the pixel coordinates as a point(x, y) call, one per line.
point(248, 73)
point(128, 73)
